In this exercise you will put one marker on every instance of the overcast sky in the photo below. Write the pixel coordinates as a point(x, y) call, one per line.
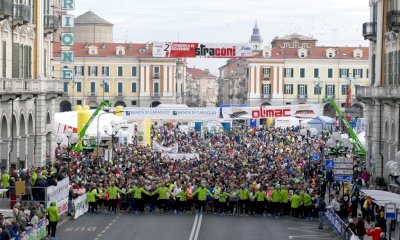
point(332, 22)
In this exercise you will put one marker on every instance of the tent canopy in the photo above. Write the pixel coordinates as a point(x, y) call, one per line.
point(382, 197)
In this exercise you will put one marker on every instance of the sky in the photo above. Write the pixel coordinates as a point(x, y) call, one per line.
point(332, 22)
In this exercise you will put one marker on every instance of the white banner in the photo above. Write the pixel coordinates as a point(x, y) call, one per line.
point(160, 148)
point(59, 194)
point(180, 156)
point(303, 111)
point(81, 206)
point(171, 113)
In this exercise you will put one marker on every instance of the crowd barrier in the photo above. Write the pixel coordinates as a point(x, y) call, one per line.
point(35, 233)
point(338, 225)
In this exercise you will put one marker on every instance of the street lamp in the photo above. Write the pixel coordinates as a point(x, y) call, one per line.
point(393, 168)
point(59, 140)
point(73, 138)
point(104, 84)
point(115, 127)
point(308, 134)
point(318, 87)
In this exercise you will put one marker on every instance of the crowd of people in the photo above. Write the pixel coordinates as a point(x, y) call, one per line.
point(260, 171)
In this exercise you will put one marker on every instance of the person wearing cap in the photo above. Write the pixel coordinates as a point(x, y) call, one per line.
point(52, 214)
point(202, 193)
point(244, 196)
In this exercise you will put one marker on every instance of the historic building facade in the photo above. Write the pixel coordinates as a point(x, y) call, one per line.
point(27, 88)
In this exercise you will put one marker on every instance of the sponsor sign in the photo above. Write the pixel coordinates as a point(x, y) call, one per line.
point(81, 206)
point(36, 232)
point(302, 111)
point(180, 156)
point(171, 113)
point(59, 194)
point(201, 50)
point(335, 221)
point(160, 148)
point(342, 178)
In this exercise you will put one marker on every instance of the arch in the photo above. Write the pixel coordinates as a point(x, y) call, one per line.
point(386, 132)
point(93, 104)
point(22, 125)
point(48, 118)
point(360, 108)
point(14, 126)
point(65, 106)
point(329, 111)
point(4, 128)
point(30, 125)
point(266, 104)
point(120, 103)
point(155, 104)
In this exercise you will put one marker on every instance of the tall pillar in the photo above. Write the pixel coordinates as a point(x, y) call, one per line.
point(252, 82)
point(275, 79)
point(258, 82)
point(165, 78)
point(40, 128)
point(170, 80)
point(147, 90)
point(142, 78)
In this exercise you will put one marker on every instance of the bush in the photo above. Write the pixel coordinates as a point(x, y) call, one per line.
point(380, 182)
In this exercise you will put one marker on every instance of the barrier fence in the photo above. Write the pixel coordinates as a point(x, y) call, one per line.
point(338, 225)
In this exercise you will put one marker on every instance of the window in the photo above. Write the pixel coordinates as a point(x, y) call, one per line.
point(302, 55)
point(66, 87)
point(120, 71)
point(288, 88)
point(358, 73)
point(79, 70)
point(133, 87)
point(120, 53)
point(156, 72)
point(156, 88)
point(133, 103)
point(266, 72)
point(304, 45)
point(79, 87)
point(247, 72)
point(345, 89)
point(296, 45)
point(367, 73)
point(78, 102)
point(316, 72)
point(286, 45)
point(92, 70)
point(330, 73)
point(302, 72)
point(317, 89)
point(358, 56)
point(105, 71)
point(120, 88)
point(330, 90)
point(134, 71)
point(302, 89)
point(266, 89)
point(4, 59)
point(93, 89)
point(344, 72)
point(288, 73)
point(330, 55)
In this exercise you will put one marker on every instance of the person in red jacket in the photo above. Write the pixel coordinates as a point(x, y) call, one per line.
point(375, 233)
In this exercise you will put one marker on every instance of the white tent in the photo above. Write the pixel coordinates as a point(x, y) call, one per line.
point(67, 120)
point(382, 197)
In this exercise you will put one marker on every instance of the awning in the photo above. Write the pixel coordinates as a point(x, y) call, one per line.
point(382, 197)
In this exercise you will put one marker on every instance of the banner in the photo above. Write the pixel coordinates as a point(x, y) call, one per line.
point(202, 50)
point(171, 114)
point(302, 111)
point(180, 156)
point(160, 148)
point(335, 221)
point(36, 233)
point(59, 194)
point(81, 206)
point(141, 133)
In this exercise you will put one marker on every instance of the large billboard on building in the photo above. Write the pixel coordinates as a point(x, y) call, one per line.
point(203, 114)
point(201, 50)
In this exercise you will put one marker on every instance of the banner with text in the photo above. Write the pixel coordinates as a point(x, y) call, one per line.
point(160, 148)
point(180, 156)
point(303, 111)
point(81, 206)
point(59, 194)
point(201, 50)
point(171, 113)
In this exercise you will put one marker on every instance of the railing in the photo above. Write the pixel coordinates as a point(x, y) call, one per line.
point(21, 86)
point(6, 8)
point(338, 225)
point(393, 21)
point(22, 14)
point(302, 97)
point(380, 91)
point(51, 23)
point(266, 95)
point(369, 31)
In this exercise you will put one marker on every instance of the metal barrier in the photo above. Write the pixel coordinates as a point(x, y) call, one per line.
point(338, 225)
point(35, 195)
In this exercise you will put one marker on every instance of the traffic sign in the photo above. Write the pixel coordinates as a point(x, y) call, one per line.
point(344, 165)
point(329, 164)
point(390, 211)
point(343, 171)
point(342, 178)
point(316, 157)
point(344, 160)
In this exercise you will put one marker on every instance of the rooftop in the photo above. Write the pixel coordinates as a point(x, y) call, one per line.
point(295, 36)
point(91, 18)
point(199, 73)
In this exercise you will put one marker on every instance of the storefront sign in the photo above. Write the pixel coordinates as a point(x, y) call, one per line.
point(205, 50)
point(171, 113)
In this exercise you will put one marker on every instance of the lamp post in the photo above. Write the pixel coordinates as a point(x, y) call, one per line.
point(115, 127)
point(59, 140)
point(318, 87)
point(308, 134)
point(103, 84)
point(72, 138)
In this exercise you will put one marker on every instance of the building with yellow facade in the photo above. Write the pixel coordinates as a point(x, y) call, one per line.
point(296, 71)
point(125, 74)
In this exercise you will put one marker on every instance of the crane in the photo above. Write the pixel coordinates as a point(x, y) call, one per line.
point(79, 145)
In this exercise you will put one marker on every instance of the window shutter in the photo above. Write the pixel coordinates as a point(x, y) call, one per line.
point(83, 70)
point(75, 67)
point(291, 72)
point(305, 89)
point(284, 72)
point(298, 89)
point(4, 59)
point(102, 70)
point(95, 70)
point(361, 73)
point(348, 72)
point(354, 72)
point(326, 90)
point(333, 90)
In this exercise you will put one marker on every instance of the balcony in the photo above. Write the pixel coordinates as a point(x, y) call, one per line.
point(390, 93)
point(28, 87)
point(266, 96)
point(120, 95)
point(302, 97)
point(5, 9)
point(393, 21)
point(92, 94)
point(266, 76)
point(156, 75)
point(51, 24)
point(22, 14)
point(369, 31)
